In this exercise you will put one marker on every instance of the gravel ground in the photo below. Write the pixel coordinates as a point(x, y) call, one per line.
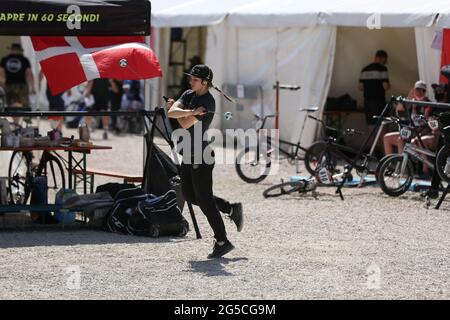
point(369, 246)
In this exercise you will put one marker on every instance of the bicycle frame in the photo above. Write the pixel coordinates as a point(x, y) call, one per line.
point(297, 146)
point(340, 149)
point(416, 152)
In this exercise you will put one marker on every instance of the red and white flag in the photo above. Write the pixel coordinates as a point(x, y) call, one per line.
point(69, 61)
point(445, 53)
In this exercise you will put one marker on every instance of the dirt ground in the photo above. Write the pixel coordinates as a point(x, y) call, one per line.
point(369, 246)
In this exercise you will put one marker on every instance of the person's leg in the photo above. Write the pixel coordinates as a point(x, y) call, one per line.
point(105, 123)
point(13, 100)
point(88, 121)
point(390, 140)
point(223, 205)
point(23, 94)
point(186, 183)
point(428, 143)
point(203, 188)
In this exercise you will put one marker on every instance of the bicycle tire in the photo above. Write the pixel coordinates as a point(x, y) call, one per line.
point(312, 155)
point(378, 168)
point(258, 178)
point(442, 168)
point(386, 168)
point(53, 181)
point(16, 181)
point(284, 188)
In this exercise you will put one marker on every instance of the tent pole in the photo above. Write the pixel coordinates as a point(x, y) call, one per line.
point(277, 103)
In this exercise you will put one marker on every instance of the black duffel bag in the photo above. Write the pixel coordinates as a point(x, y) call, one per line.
point(158, 216)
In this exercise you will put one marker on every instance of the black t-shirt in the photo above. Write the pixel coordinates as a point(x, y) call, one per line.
point(191, 101)
point(15, 66)
point(372, 77)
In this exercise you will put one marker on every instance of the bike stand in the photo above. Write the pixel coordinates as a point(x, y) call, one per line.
point(444, 194)
point(338, 191)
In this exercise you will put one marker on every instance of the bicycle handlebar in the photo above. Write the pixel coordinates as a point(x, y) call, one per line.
point(351, 132)
point(287, 87)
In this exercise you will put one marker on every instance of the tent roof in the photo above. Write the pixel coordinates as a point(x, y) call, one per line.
point(192, 13)
point(299, 13)
point(357, 13)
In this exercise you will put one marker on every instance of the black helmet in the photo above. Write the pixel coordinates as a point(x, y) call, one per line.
point(201, 71)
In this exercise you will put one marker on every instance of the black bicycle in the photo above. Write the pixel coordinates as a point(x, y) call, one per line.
point(339, 156)
point(253, 163)
point(326, 168)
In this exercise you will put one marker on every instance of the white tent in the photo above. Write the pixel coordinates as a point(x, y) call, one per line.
point(299, 42)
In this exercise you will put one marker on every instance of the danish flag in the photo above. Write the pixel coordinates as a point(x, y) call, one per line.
point(445, 53)
point(69, 61)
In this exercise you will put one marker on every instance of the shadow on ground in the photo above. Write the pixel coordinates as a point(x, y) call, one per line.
point(213, 267)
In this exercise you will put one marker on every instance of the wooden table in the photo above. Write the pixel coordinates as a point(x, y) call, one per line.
point(73, 162)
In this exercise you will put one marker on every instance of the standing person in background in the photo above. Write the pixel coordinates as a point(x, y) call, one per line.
point(374, 82)
point(17, 78)
point(132, 99)
point(116, 99)
point(100, 90)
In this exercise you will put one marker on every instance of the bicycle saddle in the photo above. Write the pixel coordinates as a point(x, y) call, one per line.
point(309, 109)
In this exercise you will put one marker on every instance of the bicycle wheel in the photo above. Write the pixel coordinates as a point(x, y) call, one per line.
point(330, 160)
point(284, 188)
point(252, 165)
point(443, 163)
point(378, 167)
point(51, 167)
point(392, 181)
point(19, 187)
point(312, 156)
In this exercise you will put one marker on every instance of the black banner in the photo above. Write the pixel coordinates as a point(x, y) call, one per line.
point(74, 18)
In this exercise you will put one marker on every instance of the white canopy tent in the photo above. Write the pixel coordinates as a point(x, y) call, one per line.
point(257, 42)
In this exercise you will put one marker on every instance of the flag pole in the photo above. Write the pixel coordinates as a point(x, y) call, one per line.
point(146, 106)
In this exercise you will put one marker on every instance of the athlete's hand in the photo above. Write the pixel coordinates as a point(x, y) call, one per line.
point(199, 111)
point(169, 103)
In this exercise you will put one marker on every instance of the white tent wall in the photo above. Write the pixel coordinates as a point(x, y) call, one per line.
point(261, 56)
point(217, 49)
point(429, 58)
point(162, 51)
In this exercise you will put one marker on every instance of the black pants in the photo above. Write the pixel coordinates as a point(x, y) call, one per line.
point(197, 186)
point(373, 108)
